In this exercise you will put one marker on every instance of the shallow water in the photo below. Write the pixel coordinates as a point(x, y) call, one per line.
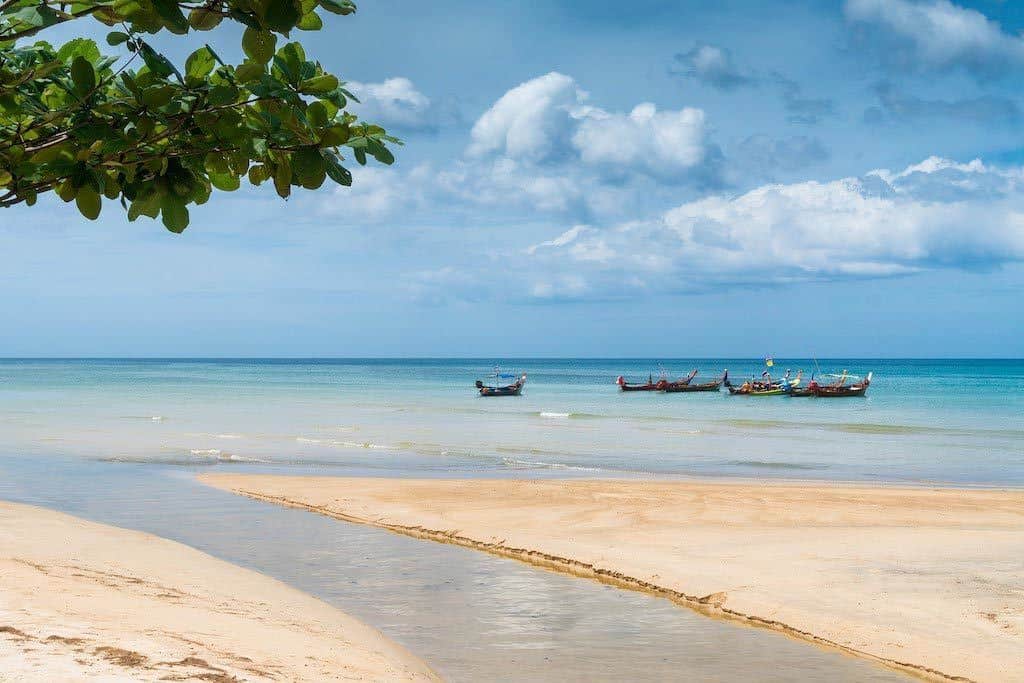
point(471, 616)
point(948, 421)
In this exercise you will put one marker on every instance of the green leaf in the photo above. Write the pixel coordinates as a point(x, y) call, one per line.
point(283, 179)
point(83, 75)
point(338, 6)
point(158, 96)
point(88, 202)
point(174, 213)
point(116, 38)
point(258, 174)
point(281, 15)
point(336, 171)
point(308, 168)
point(317, 115)
point(335, 135)
point(222, 94)
point(290, 60)
point(379, 151)
point(200, 64)
point(156, 62)
point(228, 182)
point(249, 71)
point(79, 47)
point(310, 22)
point(171, 13)
point(202, 19)
point(319, 85)
point(259, 45)
point(5, 177)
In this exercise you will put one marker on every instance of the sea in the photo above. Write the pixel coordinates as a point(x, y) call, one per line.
point(119, 442)
point(931, 422)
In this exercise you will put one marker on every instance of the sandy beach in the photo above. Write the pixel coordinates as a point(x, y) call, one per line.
point(85, 601)
point(922, 579)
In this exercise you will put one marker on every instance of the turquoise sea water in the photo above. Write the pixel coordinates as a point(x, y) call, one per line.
point(944, 421)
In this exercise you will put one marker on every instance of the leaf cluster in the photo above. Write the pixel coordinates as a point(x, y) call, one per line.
point(137, 129)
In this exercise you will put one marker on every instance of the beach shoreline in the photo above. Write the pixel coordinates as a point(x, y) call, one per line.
point(87, 601)
point(847, 566)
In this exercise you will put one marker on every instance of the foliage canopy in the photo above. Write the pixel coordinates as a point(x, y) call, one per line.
point(158, 137)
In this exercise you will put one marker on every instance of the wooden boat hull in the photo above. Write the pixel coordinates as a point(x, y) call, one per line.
point(687, 388)
point(510, 390)
point(753, 391)
point(769, 392)
point(841, 392)
point(640, 387)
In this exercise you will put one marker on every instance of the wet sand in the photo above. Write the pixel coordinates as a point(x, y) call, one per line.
point(85, 601)
point(923, 579)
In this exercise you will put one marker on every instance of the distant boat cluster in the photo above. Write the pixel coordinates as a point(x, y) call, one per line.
point(843, 385)
point(834, 386)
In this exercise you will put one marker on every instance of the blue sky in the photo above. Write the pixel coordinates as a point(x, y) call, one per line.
point(595, 179)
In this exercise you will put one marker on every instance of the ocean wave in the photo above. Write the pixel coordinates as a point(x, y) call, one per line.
point(515, 463)
point(364, 444)
point(777, 465)
point(194, 456)
point(874, 428)
point(150, 418)
point(569, 416)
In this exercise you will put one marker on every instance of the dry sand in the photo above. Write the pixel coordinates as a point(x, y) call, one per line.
point(928, 579)
point(83, 601)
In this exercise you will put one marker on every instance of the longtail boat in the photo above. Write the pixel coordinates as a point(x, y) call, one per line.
point(513, 389)
point(688, 387)
point(662, 384)
point(764, 387)
point(840, 389)
point(808, 390)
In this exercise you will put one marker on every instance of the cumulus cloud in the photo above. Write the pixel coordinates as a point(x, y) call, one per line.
point(396, 104)
point(713, 66)
point(662, 144)
point(895, 105)
point(532, 121)
point(937, 214)
point(548, 120)
point(937, 35)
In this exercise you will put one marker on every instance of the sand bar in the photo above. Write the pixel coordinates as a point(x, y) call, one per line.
point(84, 601)
point(928, 579)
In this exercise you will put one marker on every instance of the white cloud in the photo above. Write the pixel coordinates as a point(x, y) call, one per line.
point(377, 194)
point(661, 144)
point(547, 120)
point(939, 35)
point(935, 214)
point(713, 66)
point(532, 121)
point(395, 103)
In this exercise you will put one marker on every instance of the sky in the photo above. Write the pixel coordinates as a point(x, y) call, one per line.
point(602, 179)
